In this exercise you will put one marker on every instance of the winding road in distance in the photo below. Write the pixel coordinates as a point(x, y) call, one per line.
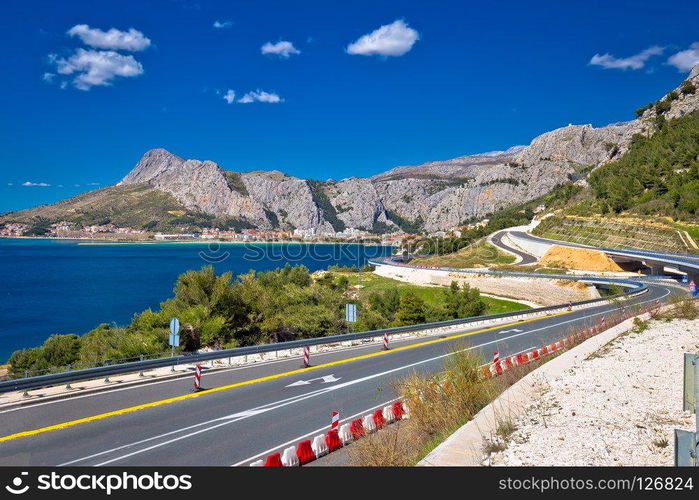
point(250, 412)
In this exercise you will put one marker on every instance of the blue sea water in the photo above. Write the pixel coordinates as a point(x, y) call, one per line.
point(62, 286)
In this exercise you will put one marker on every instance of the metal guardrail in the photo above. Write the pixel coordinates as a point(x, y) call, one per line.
point(633, 288)
point(579, 277)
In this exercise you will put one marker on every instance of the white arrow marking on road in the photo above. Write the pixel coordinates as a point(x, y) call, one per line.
point(512, 330)
point(325, 380)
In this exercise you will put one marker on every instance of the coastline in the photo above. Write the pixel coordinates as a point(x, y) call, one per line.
point(97, 241)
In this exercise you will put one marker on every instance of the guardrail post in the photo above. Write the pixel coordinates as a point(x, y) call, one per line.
point(68, 387)
point(140, 374)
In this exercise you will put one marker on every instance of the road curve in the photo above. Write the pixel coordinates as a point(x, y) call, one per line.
point(524, 258)
point(255, 410)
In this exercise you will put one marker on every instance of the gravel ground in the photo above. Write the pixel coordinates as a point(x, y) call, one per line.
point(539, 291)
point(619, 406)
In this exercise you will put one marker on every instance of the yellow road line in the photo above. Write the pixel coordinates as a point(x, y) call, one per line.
point(114, 413)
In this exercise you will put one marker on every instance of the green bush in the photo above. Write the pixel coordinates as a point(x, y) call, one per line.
point(688, 87)
point(411, 310)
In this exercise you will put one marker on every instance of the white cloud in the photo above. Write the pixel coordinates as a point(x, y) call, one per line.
point(636, 61)
point(10, 183)
point(281, 48)
point(685, 59)
point(97, 67)
point(35, 184)
point(48, 77)
point(393, 39)
point(260, 96)
point(92, 184)
point(222, 24)
point(114, 39)
point(229, 96)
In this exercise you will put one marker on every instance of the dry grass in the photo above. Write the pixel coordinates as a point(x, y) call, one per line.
point(505, 428)
point(391, 447)
point(455, 395)
point(439, 404)
point(680, 307)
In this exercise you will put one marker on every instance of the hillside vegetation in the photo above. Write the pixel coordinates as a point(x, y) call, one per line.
point(659, 175)
point(135, 206)
point(613, 233)
point(257, 307)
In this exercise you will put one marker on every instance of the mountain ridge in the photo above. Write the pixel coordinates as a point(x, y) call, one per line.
point(435, 195)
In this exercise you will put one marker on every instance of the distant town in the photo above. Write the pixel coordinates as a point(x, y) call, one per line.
point(110, 232)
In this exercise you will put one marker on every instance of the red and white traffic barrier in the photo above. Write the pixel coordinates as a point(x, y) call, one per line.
point(385, 341)
point(304, 452)
point(602, 322)
point(197, 377)
point(345, 434)
point(307, 356)
point(309, 450)
point(657, 303)
point(333, 441)
point(335, 420)
point(319, 446)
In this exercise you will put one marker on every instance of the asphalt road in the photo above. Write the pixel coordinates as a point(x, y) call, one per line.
point(250, 412)
point(690, 261)
point(525, 257)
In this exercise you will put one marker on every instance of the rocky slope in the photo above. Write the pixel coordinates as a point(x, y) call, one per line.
point(431, 196)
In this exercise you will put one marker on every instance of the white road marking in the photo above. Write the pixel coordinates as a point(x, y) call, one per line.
point(225, 370)
point(328, 379)
point(512, 330)
point(299, 438)
point(289, 401)
point(298, 399)
point(178, 430)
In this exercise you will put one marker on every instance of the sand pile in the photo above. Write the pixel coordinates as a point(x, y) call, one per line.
point(578, 258)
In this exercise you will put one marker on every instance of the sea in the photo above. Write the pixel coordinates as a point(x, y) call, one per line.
point(50, 286)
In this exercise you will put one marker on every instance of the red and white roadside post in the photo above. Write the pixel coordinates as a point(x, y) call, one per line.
point(385, 341)
point(602, 322)
point(306, 356)
point(657, 303)
point(496, 363)
point(335, 421)
point(197, 378)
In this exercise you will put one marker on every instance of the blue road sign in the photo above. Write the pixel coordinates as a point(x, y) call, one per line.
point(684, 279)
point(350, 313)
point(174, 330)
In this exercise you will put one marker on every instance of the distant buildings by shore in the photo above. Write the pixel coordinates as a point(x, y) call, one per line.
point(108, 231)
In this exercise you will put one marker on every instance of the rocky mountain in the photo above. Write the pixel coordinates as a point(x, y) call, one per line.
point(430, 196)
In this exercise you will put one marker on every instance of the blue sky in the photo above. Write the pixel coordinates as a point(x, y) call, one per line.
point(441, 79)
